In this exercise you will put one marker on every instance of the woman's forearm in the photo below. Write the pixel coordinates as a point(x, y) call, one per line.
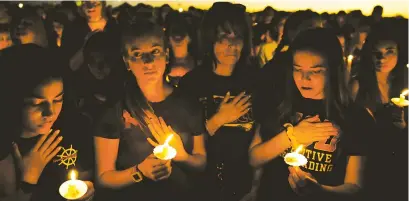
point(117, 179)
point(195, 161)
point(264, 152)
point(212, 125)
point(344, 189)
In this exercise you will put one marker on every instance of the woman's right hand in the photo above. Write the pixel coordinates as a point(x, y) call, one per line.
point(155, 169)
point(312, 129)
point(231, 110)
point(33, 163)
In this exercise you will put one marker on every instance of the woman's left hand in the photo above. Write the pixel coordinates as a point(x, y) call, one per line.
point(161, 132)
point(303, 183)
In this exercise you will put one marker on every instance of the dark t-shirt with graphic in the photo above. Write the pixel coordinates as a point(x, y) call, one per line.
point(183, 116)
point(327, 159)
point(228, 173)
point(76, 154)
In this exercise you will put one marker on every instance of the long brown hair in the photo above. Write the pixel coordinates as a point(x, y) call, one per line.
point(135, 102)
point(324, 42)
point(368, 94)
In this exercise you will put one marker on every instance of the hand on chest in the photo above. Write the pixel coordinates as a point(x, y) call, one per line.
point(321, 154)
point(231, 110)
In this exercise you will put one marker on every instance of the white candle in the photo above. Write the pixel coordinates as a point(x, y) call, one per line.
point(165, 151)
point(295, 159)
point(401, 101)
point(73, 189)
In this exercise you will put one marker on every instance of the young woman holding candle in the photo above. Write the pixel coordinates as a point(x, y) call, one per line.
point(383, 75)
point(36, 164)
point(316, 106)
point(124, 155)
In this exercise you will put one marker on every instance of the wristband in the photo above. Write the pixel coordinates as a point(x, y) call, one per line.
point(289, 130)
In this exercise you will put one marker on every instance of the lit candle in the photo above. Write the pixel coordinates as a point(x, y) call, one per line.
point(73, 189)
point(295, 159)
point(350, 59)
point(401, 101)
point(165, 151)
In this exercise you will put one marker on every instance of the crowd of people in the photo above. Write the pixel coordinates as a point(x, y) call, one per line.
point(94, 89)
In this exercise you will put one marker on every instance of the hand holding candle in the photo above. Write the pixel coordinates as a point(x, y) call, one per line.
point(303, 183)
point(350, 59)
point(73, 189)
point(401, 101)
point(165, 152)
point(295, 159)
point(168, 143)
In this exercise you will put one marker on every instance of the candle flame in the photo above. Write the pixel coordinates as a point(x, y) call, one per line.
point(350, 57)
point(73, 175)
point(405, 92)
point(168, 140)
point(299, 148)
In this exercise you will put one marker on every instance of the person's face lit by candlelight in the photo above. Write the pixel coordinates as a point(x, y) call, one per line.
point(147, 59)
point(92, 9)
point(5, 40)
point(362, 38)
point(385, 56)
point(228, 46)
point(179, 44)
point(309, 73)
point(280, 27)
point(58, 28)
point(42, 107)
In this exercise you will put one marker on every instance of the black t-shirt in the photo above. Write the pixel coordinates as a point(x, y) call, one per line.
point(327, 159)
point(229, 146)
point(73, 37)
point(271, 78)
point(77, 153)
point(387, 166)
point(183, 116)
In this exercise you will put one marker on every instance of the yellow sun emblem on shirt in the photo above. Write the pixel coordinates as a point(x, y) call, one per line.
point(68, 157)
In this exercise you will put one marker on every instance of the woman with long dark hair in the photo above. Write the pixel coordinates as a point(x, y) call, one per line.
point(316, 114)
point(183, 46)
point(382, 76)
point(224, 84)
point(127, 133)
point(40, 157)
